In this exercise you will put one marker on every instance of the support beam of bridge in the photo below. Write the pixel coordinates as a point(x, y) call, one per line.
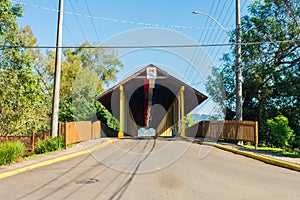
point(182, 112)
point(120, 133)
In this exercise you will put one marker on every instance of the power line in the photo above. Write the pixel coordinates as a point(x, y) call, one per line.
point(81, 29)
point(71, 36)
point(93, 24)
point(65, 26)
point(214, 53)
point(190, 68)
point(121, 20)
point(243, 6)
point(194, 73)
point(117, 47)
point(151, 46)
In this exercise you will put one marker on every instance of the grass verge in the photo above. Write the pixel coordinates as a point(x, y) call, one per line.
point(10, 152)
point(295, 153)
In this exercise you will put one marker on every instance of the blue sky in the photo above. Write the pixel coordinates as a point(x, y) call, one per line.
point(123, 22)
point(162, 12)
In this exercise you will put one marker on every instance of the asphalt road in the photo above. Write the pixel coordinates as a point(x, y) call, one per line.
point(154, 169)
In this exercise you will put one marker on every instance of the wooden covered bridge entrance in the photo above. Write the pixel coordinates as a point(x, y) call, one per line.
point(151, 99)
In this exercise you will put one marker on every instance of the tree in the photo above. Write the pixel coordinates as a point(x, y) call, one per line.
point(189, 121)
point(105, 116)
point(22, 94)
point(84, 73)
point(271, 66)
point(282, 135)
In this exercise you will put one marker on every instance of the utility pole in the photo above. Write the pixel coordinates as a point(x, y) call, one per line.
point(239, 109)
point(55, 102)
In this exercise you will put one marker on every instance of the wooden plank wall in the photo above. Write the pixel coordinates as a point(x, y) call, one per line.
point(81, 131)
point(227, 130)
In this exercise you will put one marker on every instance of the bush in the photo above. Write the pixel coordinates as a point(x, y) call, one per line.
point(10, 152)
point(281, 134)
point(50, 144)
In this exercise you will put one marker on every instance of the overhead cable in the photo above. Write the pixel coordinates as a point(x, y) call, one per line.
point(152, 46)
point(120, 20)
point(92, 21)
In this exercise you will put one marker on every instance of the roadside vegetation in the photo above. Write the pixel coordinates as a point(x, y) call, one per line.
point(271, 73)
point(271, 78)
point(10, 152)
point(49, 145)
point(293, 153)
point(27, 81)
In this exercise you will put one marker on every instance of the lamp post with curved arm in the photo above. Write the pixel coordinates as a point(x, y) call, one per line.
point(239, 111)
point(212, 18)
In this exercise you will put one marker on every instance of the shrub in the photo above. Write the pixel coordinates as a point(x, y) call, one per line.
point(281, 134)
point(50, 144)
point(10, 152)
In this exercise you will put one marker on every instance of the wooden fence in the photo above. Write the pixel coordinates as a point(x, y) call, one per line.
point(74, 132)
point(29, 141)
point(226, 130)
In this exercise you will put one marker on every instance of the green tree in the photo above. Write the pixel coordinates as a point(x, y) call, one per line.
point(271, 68)
point(105, 116)
point(281, 134)
point(21, 90)
point(189, 121)
point(84, 73)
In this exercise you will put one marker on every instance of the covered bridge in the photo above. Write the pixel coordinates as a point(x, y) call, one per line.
point(151, 99)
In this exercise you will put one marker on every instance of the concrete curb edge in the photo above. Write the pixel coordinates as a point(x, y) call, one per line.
point(55, 160)
point(262, 158)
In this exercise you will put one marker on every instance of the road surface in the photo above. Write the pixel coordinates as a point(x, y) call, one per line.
point(154, 169)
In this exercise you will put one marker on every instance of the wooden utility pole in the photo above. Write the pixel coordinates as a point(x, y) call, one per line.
point(55, 102)
point(239, 109)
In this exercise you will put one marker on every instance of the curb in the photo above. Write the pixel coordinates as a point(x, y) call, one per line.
point(55, 160)
point(262, 158)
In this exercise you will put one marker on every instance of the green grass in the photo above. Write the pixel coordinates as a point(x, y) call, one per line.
point(46, 153)
point(10, 152)
point(50, 144)
point(295, 153)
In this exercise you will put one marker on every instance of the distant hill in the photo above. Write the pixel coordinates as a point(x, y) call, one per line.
point(199, 117)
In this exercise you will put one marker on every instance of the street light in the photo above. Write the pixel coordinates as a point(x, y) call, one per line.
point(239, 111)
point(212, 18)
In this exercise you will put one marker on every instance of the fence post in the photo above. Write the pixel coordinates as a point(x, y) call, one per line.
point(6, 138)
point(256, 134)
point(32, 141)
point(66, 133)
point(59, 129)
point(44, 136)
point(92, 131)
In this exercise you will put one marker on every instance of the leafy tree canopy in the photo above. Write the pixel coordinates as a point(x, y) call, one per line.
point(84, 73)
point(22, 94)
point(26, 79)
point(271, 69)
